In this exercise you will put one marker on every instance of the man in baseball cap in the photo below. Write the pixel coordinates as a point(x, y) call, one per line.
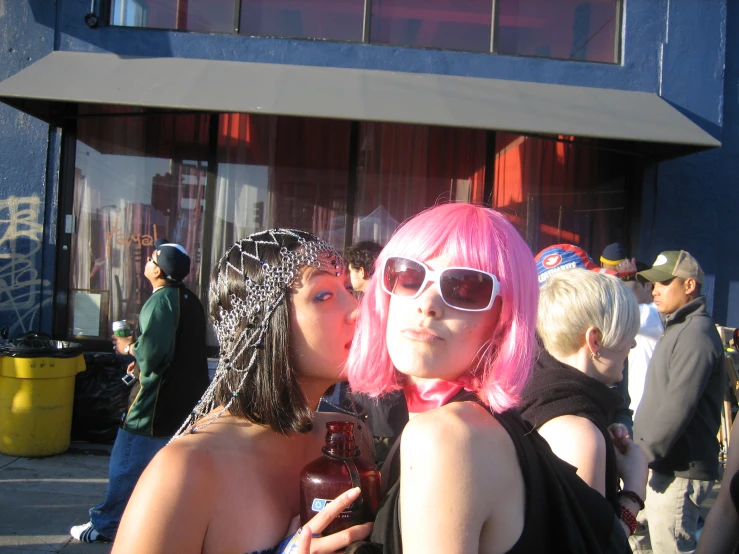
point(678, 418)
point(674, 263)
point(173, 260)
point(172, 366)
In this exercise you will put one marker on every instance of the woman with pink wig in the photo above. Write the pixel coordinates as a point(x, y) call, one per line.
point(450, 319)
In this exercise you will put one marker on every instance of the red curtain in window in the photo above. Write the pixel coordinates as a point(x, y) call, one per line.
point(558, 191)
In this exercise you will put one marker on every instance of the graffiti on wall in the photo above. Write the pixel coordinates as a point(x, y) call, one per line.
point(22, 291)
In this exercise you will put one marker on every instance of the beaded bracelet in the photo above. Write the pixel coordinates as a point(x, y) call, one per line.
point(634, 497)
point(628, 518)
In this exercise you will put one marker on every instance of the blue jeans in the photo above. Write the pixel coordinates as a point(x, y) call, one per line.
point(130, 456)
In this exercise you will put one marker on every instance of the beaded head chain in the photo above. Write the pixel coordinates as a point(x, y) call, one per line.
point(241, 327)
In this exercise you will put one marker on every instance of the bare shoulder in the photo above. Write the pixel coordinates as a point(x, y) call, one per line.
point(580, 443)
point(171, 505)
point(573, 430)
point(458, 433)
point(461, 456)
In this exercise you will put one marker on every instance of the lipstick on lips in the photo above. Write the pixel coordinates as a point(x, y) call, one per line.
point(420, 334)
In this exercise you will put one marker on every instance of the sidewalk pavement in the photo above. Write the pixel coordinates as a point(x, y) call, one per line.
point(41, 498)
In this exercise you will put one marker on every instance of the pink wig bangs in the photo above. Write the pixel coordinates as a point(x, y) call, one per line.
point(469, 236)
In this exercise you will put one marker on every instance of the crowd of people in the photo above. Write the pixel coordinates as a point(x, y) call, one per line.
point(490, 386)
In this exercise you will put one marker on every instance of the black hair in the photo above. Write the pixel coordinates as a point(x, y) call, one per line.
point(363, 255)
point(270, 394)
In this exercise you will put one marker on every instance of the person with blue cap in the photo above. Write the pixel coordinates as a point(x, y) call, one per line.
point(613, 255)
point(172, 363)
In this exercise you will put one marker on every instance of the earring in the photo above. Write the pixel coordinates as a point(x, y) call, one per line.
point(595, 355)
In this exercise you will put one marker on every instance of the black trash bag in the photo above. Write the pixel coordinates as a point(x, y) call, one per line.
point(40, 345)
point(100, 398)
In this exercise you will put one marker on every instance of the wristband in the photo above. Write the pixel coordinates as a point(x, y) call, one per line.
point(635, 498)
point(628, 518)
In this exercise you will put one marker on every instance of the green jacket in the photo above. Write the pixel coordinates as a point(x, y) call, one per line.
point(172, 356)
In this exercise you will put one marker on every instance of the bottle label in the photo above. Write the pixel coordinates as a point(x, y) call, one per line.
point(319, 504)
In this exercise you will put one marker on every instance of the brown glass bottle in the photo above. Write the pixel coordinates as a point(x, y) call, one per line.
point(338, 470)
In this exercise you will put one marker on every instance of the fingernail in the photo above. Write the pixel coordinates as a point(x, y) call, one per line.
point(354, 493)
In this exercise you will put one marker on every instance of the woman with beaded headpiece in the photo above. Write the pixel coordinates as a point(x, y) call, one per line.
point(229, 482)
point(450, 320)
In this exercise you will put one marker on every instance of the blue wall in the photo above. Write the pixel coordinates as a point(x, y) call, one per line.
point(26, 35)
point(693, 200)
point(675, 48)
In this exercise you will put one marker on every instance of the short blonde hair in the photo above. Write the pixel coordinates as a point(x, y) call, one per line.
point(575, 299)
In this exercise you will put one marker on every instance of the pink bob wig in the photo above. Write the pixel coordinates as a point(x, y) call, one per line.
point(469, 236)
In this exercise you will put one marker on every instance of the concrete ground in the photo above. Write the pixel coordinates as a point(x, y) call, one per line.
point(41, 498)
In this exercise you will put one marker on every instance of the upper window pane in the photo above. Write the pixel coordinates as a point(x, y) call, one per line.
point(433, 23)
point(213, 16)
point(326, 19)
point(584, 30)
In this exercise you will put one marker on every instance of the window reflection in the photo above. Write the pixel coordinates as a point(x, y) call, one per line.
point(584, 30)
point(433, 23)
point(137, 179)
point(325, 19)
point(212, 16)
point(404, 169)
point(556, 191)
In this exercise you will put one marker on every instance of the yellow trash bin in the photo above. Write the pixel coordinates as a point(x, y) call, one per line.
point(36, 397)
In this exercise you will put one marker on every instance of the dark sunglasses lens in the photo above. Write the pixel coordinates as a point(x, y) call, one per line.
point(466, 288)
point(403, 277)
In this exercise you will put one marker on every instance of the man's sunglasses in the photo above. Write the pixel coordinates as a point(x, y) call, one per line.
point(463, 288)
point(152, 260)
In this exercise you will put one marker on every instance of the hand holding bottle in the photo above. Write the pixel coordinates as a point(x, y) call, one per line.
point(303, 541)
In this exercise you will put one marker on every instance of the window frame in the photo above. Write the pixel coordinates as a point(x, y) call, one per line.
point(107, 13)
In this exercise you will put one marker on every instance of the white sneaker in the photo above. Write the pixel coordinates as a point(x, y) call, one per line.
point(87, 533)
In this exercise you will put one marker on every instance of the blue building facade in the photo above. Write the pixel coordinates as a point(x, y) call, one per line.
point(82, 197)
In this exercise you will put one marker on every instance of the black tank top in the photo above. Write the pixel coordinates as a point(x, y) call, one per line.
point(562, 514)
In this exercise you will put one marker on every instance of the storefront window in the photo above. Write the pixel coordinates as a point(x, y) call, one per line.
point(280, 172)
point(205, 181)
point(324, 19)
point(137, 179)
point(555, 191)
point(586, 30)
point(433, 23)
point(210, 16)
point(404, 169)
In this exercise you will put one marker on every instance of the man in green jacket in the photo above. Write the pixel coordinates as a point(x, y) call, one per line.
point(171, 356)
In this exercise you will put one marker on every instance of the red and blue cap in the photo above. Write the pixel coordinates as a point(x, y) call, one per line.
point(564, 256)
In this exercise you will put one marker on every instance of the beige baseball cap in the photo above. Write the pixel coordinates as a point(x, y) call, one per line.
point(673, 263)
